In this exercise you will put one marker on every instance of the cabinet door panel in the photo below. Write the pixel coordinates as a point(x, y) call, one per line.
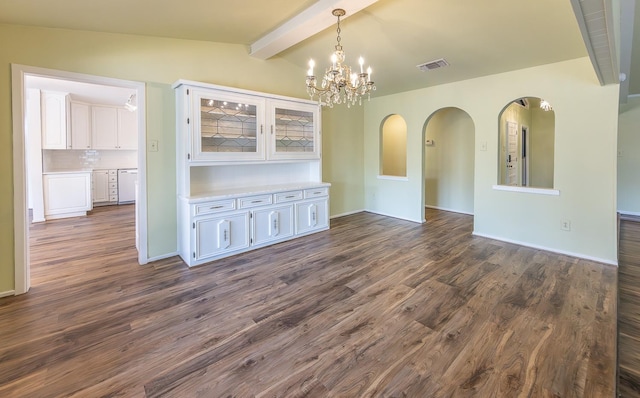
point(54, 120)
point(67, 193)
point(312, 215)
point(100, 186)
point(104, 122)
point(227, 126)
point(80, 126)
point(219, 235)
point(293, 130)
point(127, 129)
point(272, 224)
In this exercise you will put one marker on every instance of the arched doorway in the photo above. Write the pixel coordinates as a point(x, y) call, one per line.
point(449, 161)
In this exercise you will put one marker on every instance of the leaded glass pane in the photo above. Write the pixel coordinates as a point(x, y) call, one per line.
point(227, 126)
point(294, 131)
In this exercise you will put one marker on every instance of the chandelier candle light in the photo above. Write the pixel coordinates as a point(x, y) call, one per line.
point(339, 84)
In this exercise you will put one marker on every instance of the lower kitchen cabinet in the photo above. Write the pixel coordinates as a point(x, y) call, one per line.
point(67, 194)
point(214, 226)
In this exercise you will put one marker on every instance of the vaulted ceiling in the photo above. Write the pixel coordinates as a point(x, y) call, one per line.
point(477, 38)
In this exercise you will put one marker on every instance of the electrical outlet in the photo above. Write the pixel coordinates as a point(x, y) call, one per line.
point(153, 146)
point(565, 225)
point(483, 145)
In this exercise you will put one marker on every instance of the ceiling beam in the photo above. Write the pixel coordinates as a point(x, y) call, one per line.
point(304, 25)
point(596, 21)
point(627, 12)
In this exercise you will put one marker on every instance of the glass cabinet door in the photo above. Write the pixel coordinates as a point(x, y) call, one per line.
point(227, 126)
point(294, 131)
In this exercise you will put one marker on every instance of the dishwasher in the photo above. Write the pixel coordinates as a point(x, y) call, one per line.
point(127, 185)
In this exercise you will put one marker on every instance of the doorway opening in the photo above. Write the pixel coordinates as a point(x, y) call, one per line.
point(449, 161)
point(26, 177)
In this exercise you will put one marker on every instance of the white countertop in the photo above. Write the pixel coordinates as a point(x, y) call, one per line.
point(67, 172)
point(255, 190)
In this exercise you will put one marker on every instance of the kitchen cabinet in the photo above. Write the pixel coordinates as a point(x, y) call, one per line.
point(80, 125)
point(105, 187)
point(113, 128)
point(67, 194)
point(54, 115)
point(271, 223)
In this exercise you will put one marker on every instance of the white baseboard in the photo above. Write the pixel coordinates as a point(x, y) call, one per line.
point(8, 293)
point(451, 210)
point(629, 213)
point(162, 257)
point(346, 214)
point(567, 253)
point(394, 216)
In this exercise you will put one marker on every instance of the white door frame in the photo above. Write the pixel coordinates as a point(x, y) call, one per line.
point(20, 208)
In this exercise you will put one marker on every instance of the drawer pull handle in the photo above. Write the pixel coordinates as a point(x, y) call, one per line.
point(317, 193)
point(257, 201)
point(216, 207)
point(290, 196)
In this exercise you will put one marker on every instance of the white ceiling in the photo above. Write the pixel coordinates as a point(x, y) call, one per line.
point(477, 38)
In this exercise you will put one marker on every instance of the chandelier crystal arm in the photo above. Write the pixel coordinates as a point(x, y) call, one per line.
point(339, 85)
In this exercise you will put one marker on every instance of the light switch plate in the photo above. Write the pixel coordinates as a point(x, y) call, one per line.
point(153, 146)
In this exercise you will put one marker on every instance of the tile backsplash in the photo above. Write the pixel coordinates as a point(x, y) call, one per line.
point(89, 159)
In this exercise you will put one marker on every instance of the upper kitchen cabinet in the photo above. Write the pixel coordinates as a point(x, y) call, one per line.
point(223, 124)
point(113, 128)
point(293, 130)
point(54, 106)
point(80, 125)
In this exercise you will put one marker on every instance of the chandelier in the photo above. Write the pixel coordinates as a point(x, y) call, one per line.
point(339, 85)
point(545, 105)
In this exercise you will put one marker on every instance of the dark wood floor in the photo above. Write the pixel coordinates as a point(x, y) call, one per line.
point(629, 307)
point(373, 307)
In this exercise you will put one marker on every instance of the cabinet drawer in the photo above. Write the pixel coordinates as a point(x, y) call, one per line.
point(316, 192)
point(113, 173)
point(113, 192)
point(253, 201)
point(113, 185)
point(113, 198)
point(215, 207)
point(113, 178)
point(288, 196)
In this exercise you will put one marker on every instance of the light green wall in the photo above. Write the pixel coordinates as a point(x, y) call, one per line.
point(585, 157)
point(449, 162)
point(629, 157)
point(159, 62)
point(394, 147)
point(342, 152)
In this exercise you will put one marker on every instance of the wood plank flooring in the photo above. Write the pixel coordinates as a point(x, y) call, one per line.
point(629, 307)
point(374, 307)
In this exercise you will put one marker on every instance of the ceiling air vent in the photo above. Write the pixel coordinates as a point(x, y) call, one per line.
point(438, 63)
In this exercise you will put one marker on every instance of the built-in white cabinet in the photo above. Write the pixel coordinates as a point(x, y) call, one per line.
point(227, 224)
point(238, 126)
point(67, 194)
point(249, 170)
point(113, 128)
point(105, 187)
point(80, 125)
point(215, 236)
point(54, 115)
